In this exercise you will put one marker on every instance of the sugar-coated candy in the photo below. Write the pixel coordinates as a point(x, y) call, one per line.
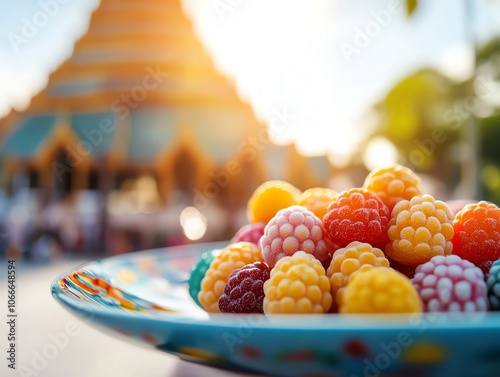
point(357, 215)
point(380, 290)
point(451, 284)
point(298, 284)
point(493, 283)
point(347, 262)
point(292, 229)
point(269, 198)
point(477, 233)
point(198, 272)
point(244, 292)
point(317, 200)
point(382, 248)
point(249, 233)
point(232, 257)
point(486, 267)
point(393, 184)
point(420, 229)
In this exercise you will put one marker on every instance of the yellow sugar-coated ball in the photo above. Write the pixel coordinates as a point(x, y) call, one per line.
point(380, 290)
point(298, 284)
point(347, 262)
point(419, 229)
point(232, 257)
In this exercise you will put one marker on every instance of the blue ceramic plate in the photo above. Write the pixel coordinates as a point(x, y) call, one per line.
point(144, 296)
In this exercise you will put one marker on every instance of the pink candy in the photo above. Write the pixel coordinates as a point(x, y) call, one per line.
point(250, 233)
point(292, 229)
point(451, 284)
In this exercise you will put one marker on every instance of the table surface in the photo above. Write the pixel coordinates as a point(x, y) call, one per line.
point(90, 352)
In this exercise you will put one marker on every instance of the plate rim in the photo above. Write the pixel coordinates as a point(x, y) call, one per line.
point(296, 322)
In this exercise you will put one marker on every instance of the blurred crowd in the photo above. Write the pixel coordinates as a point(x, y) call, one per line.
point(37, 226)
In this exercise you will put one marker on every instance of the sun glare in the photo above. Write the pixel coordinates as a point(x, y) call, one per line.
point(193, 222)
point(380, 152)
point(457, 62)
point(286, 65)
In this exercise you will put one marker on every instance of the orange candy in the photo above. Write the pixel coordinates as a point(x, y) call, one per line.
point(393, 184)
point(477, 233)
point(269, 198)
point(317, 200)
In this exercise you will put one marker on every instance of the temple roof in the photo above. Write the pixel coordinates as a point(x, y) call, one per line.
point(141, 74)
point(141, 65)
point(148, 46)
point(29, 136)
point(151, 135)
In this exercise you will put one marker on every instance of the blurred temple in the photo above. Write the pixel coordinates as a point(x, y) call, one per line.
point(133, 128)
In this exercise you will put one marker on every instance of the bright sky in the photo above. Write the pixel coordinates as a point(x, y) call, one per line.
point(308, 56)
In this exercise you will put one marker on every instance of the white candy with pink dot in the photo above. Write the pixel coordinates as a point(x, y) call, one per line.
point(451, 284)
point(290, 230)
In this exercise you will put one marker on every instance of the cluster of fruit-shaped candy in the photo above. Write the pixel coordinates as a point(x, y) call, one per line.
point(384, 248)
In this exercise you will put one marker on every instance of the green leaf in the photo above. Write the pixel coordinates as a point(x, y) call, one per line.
point(411, 6)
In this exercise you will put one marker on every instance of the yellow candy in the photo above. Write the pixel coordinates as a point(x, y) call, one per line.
point(347, 262)
point(232, 257)
point(380, 290)
point(419, 229)
point(317, 200)
point(298, 284)
point(269, 198)
point(393, 184)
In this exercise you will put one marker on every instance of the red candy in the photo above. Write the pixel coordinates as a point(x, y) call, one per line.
point(451, 284)
point(485, 267)
point(357, 215)
point(477, 233)
point(244, 292)
point(250, 233)
point(277, 264)
point(292, 229)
